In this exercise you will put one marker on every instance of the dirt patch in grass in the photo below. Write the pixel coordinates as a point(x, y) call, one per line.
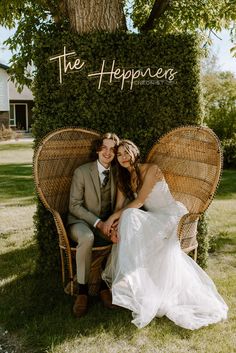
point(15, 218)
point(10, 343)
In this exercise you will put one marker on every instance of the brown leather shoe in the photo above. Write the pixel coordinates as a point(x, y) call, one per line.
point(80, 307)
point(106, 298)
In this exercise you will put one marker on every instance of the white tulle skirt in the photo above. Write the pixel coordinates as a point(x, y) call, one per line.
point(150, 275)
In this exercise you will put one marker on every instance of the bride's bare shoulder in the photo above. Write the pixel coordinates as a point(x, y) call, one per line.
point(152, 170)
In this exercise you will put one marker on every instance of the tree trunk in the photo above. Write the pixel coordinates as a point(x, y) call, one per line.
point(96, 15)
point(158, 9)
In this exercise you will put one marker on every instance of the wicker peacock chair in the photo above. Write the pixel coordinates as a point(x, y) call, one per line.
point(57, 156)
point(191, 160)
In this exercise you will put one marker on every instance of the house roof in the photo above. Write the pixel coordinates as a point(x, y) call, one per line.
point(5, 67)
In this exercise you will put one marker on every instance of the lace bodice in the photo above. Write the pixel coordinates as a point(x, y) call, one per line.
point(161, 198)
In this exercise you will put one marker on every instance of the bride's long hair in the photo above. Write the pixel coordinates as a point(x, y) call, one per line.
point(124, 176)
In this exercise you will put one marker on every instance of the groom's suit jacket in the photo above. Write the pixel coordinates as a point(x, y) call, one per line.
point(85, 194)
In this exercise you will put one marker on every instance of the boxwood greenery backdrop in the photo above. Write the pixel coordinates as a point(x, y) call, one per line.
point(141, 113)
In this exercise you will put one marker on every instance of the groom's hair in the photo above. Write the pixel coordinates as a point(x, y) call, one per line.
point(108, 135)
point(97, 144)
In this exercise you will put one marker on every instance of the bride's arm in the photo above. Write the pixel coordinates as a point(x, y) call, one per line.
point(120, 199)
point(152, 176)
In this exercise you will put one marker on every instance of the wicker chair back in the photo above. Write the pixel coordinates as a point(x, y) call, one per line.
point(55, 159)
point(190, 158)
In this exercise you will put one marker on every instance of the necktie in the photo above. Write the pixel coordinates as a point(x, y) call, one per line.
point(105, 180)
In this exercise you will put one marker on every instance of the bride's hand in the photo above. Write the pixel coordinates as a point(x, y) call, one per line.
point(109, 222)
point(114, 236)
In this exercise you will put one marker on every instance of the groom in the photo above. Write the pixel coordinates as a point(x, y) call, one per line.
point(92, 200)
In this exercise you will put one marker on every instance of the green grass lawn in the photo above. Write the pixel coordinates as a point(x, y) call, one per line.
point(35, 314)
point(227, 188)
point(16, 181)
point(16, 184)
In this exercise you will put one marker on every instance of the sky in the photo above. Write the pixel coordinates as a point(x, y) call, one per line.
point(221, 48)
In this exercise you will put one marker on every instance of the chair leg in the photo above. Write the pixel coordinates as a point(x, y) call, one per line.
point(71, 274)
point(71, 287)
point(62, 267)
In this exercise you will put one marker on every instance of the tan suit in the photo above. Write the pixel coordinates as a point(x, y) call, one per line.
point(84, 209)
point(85, 194)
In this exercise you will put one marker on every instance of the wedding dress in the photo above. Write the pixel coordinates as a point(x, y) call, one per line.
point(150, 275)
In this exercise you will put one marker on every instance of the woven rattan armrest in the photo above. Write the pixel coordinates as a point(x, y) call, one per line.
point(64, 244)
point(63, 237)
point(98, 255)
point(187, 231)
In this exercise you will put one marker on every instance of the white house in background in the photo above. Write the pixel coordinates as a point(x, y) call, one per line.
point(15, 107)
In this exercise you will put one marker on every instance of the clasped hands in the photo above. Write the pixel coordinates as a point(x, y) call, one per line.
point(110, 227)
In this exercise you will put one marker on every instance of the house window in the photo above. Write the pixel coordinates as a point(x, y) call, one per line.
point(19, 116)
point(12, 115)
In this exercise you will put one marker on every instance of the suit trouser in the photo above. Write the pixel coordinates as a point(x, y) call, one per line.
point(83, 235)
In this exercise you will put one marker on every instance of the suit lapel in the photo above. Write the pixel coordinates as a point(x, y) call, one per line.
point(96, 180)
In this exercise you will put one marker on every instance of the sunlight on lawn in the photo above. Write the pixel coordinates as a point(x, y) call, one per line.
point(7, 280)
point(15, 218)
point(16, 153)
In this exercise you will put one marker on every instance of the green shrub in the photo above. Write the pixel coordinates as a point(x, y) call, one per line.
point(203, 242)
point(142, 114)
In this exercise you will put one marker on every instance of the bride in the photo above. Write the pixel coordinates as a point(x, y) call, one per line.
point(147, 271)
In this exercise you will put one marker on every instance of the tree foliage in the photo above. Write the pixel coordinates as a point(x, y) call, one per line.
point(163, 16)
point(219, 89)
point(187, 15)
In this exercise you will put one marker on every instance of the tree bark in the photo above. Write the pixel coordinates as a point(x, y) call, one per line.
point(95, 15)
point(158, 9)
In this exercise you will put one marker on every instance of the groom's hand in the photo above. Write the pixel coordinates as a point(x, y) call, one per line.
point(102, 227)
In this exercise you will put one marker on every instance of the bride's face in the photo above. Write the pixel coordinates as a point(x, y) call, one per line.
point(123, 157)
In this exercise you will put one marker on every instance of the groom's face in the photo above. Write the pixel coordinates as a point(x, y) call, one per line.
point(106, 153)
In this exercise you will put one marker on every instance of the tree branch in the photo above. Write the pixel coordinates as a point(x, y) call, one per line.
point(158, 9)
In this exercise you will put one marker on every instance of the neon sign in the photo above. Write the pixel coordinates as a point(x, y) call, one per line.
point(113, 73)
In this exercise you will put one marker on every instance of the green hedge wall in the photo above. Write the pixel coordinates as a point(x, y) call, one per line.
point(142, 114)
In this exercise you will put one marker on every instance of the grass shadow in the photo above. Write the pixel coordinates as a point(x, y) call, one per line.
point(227, 186)
point(17, 182)
point(223, 243)
point(36, 309)
point(45, 317)
point(18, 262)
